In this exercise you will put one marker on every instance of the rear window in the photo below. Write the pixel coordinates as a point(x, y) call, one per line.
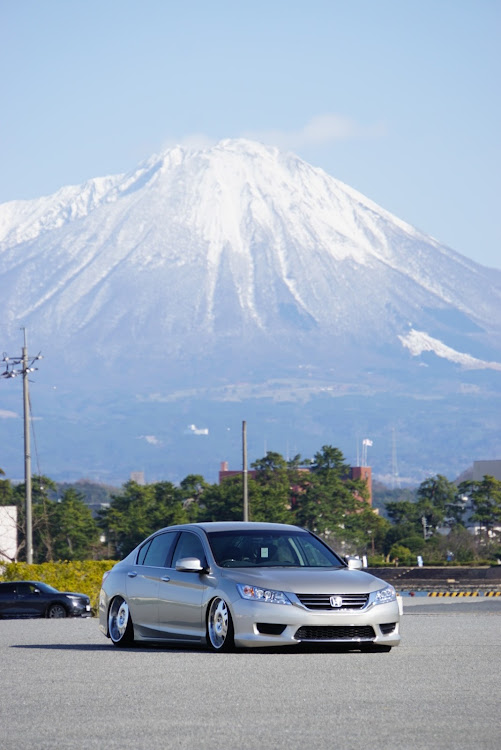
point(156, 552)
point(7, 588)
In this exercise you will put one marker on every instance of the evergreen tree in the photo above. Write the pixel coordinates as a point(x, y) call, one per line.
point(485, 498)
point(6, 491)
point(272, 502)
point(329, 497)
point(74, 531)
point(42, 511)
point(192, 489)
point(434, 497)
point(224, 502)
point(128, 520)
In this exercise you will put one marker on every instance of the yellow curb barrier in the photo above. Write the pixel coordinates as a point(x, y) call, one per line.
point(464, 593)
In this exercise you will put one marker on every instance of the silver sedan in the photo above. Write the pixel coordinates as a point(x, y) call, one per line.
point(245, 584)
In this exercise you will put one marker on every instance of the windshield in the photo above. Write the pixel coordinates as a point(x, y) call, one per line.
point(48, 589)
point(258, 549)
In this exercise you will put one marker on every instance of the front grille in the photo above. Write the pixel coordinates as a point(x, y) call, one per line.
point(322, 601)
point(337, 633)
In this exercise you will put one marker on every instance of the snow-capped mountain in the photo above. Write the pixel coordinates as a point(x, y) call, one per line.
point(241, 263)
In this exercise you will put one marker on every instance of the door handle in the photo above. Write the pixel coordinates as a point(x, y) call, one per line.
point(166, 579)
point(132, 574)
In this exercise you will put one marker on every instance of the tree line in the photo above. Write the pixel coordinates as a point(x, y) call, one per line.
point(317, 494)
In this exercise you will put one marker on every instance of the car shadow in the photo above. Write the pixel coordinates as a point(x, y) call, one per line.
point(143, 647)
point(309, 648)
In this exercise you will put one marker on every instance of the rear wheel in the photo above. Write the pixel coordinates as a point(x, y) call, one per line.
point(219, 626)
point(56, 610)
point(120, 625)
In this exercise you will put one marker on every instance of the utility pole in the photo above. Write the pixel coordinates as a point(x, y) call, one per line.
point(244, 470)
point(394, 465)
point(425, 527)
point(11, 371)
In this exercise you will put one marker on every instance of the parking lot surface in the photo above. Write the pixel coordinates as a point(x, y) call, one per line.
point(65, 686)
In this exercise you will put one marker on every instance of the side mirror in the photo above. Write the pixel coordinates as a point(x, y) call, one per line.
point(189, 565)
point(354, 563)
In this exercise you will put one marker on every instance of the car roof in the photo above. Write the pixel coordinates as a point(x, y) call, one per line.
point(22, 581)
point(236, 526)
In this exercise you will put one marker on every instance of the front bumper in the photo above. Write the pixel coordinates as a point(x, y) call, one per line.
point(81, 610)
point(264, 624)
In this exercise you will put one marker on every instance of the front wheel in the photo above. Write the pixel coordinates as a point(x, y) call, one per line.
point(120, 625)
point(219, 626)
point(56, 610)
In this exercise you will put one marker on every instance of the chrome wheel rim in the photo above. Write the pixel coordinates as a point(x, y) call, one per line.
point(218, 623)
point(118, 619)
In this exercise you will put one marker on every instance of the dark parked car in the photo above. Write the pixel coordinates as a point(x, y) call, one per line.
point(37, 599)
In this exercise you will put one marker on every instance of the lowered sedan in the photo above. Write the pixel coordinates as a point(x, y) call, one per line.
point(37, 599)
point(245, 584)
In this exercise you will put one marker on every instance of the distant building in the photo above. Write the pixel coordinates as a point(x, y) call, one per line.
point(225, 473)
point(356, 472)
point(365, 474)
point(486, 468)
point(137, 477)
point(8, 533)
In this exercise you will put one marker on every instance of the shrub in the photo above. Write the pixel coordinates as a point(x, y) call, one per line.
point(82, 577)
point(402, 555)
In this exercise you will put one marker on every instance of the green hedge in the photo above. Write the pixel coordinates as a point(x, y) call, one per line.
point(79, 577)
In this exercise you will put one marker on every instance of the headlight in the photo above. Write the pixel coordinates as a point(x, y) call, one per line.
point(384, 596)
point(75, 600)
point(262, 595)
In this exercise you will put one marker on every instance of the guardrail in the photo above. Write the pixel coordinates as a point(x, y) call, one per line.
point(485, 581)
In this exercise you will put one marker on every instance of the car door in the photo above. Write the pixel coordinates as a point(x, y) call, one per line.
point(181, 593)
point(30, 600)
point(143, 580)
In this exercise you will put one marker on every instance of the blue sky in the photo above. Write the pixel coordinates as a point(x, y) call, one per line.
point(398, 98)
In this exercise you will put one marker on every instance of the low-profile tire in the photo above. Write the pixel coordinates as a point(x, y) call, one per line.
point(120, 627)
point(220, 633)
point(56, 610)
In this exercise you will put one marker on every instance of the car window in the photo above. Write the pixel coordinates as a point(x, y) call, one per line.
point(142, 552)
point(314, 554)
point(158, 550)
point(266, 549)
point(23, 589)
point(188, 545)
point(7, 588)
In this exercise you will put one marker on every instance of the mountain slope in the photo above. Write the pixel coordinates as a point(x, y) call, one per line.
point(240, 235)
point(241, 264)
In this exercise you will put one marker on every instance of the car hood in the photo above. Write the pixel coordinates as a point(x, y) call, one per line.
point(308, 580)
point(73, 593)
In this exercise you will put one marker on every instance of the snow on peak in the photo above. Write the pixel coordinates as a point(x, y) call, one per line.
point(418, 342)
point(240, 234)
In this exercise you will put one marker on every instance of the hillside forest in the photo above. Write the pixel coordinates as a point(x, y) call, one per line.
point(434, 521)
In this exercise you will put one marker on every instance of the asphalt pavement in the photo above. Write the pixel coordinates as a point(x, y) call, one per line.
point(63, 685)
